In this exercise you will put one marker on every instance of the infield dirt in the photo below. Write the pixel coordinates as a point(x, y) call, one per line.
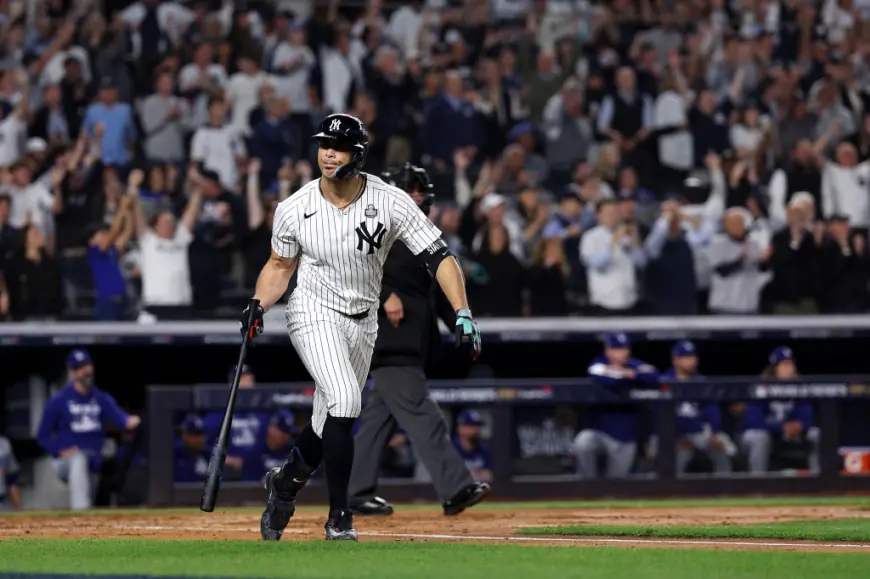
point(480, 525)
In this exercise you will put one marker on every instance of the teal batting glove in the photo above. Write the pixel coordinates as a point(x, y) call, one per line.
point(466, 327)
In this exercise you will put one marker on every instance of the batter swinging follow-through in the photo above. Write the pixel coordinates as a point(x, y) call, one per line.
point(338, 230)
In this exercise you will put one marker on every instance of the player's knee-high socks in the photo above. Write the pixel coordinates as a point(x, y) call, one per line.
point(304, 459)
point(338, 456)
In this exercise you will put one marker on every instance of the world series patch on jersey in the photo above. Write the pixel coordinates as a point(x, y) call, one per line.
point(342, 251)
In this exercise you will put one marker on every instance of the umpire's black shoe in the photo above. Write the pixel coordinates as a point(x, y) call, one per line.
point(467, 497)
point(375, 507)
point(340, 528)
point(280, 507)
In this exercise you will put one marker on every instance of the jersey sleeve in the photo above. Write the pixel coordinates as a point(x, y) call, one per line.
point(413, 228)
point(284, 242)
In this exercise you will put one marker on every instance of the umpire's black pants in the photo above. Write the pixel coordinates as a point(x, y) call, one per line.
point(400, 395)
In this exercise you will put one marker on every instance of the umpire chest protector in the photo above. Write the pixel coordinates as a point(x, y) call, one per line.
point(408, 344)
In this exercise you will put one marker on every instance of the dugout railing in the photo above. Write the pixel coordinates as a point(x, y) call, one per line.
point(165, 405)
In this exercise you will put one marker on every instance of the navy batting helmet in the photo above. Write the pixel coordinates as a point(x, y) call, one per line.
point(410, 178)
point(345, 132)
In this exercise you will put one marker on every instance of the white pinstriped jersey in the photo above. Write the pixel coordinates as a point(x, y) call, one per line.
point(342, 251)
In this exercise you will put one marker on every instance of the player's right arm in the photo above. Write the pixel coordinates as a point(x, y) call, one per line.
point(274, 279)
point(275, 275)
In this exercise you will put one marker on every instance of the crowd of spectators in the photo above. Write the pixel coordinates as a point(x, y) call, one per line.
point(659, 157)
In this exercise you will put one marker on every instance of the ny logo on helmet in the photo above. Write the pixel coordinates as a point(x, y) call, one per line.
point(335, 125)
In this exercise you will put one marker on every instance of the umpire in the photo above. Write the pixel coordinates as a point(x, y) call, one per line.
point(407, 328)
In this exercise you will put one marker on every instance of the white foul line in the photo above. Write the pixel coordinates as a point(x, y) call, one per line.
point(574, 540)
point(620, 541)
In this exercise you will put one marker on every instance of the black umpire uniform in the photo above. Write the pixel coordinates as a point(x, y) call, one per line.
point(399, 395)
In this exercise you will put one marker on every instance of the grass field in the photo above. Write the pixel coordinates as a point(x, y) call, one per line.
point(315, 560)
point(828, 538)
point(805, 530)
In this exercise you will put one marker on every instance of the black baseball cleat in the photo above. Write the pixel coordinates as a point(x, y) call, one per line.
point(374, 507)
point(280, 507)
point(467, 497)
point(340, 528)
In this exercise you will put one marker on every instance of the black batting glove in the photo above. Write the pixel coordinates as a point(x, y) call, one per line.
point(251, 325)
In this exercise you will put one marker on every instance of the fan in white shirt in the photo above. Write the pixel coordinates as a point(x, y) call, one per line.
point(14, 126)
point(218, 146)
point(846, 186)
point(163, 249)
point(340, 69)
point(243, 92)
point(292, 64)
point(747, 135)
point(203, 78)
point(32, 202)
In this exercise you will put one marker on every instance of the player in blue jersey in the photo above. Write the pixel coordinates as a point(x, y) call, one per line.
point(613, 428)
point(247, 430)
point(786, 425)
point(190, 454)
point(275, 445)
point(699, 426)
point(73, 429)
point(471, 448)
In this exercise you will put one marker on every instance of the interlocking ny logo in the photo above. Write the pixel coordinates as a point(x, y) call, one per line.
point(335, 125)
point(374, 239)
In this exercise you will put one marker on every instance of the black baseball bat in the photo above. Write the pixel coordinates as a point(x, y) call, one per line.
point(219, 452)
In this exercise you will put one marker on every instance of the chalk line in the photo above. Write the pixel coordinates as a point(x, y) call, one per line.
point(512, 539)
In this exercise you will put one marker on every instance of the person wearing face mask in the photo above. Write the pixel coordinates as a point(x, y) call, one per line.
point(73, 429)
point(407, 329)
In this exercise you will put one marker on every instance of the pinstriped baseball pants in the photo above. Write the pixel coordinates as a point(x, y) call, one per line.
point(337, 352)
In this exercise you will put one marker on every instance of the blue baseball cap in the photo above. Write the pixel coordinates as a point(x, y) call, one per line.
point(192, 424)
point(245, 370)
point(284, 420)
point(781, 354)
point(469, 417)
point(683, 348)
point(616, 340)
point(77, 359)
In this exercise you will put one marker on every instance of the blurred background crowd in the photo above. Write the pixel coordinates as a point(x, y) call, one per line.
point(661, 157)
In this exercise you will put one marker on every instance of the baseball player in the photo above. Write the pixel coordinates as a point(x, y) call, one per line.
point(474, 452)
point(275, 444)
point(10, 493)
point(247, 428)
point(190, 455)
point(406, 328)
point(614, 428)
point(699, 428)
point(338, 230)
point(73, 430)
point(779, 423)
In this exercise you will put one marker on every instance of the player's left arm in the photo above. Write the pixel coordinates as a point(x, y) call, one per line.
point(424, 240)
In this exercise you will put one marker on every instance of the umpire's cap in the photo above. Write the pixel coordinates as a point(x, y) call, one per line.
point(781, 354)
point(343, 131)
point(78, 359)
point(469, 417)
point(410, 178)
